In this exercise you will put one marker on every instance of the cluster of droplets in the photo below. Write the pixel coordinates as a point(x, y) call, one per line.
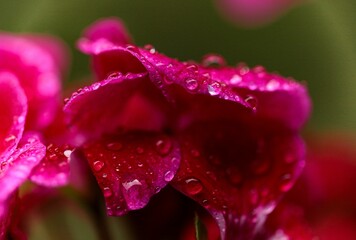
point(128, 169)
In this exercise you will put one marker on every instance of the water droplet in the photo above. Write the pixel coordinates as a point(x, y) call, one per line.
point(286, 183)
point(10, 138)
point(98, 165)
point(168, 176)
point(235, 79)
point(251, 101)
point(213, 60)
point(272, 85)
point(259, 69)
point(114, 75)
point(66, 100)
point(164, 146)
point(140, 164)
point(191, 84)
point(140, 150)
point(174, 160)
point(214, 88)
point(195, 153)
point(150, 48)
point(114, 146)
point(107, 192)
point(104, 175)
point(52, 156)
point(192, 67)
point(193, 186)
point(67, 153)
point(95, 86)
point(130, 184)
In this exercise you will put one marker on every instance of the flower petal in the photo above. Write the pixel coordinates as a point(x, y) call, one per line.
point(128, 102)
point(53, 171)
point(238, 173)
point(277, 100)
point(37, 73)
point(13, 109)
point(17, 168)
point(103, 32)
point(132, 167)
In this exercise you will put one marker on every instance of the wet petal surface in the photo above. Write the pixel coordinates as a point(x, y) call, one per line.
point(17, 168)
point(123, 101)
point(132, 167)
point(53, 171)
point(274, 98)
point(13, 109)
point(238, 174)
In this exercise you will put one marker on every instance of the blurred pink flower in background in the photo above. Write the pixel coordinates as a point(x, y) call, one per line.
point(30, 85)
point(250, 13)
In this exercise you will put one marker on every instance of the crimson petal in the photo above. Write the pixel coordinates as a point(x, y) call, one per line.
point(122, 101)
point(13, 109)
point(238, 173)
point(276, 99)
point(53, 171)
point(103, 32)
point(132, 167)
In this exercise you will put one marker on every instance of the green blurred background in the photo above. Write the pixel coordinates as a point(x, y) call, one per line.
point(315, 42)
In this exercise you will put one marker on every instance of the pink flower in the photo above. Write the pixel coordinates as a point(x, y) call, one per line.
point(30, 72)
point(322, 204)
point(254, 12)
point(226, 137)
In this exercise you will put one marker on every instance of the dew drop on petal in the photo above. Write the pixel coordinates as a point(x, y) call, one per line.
point(235, 79)
point(286, 183)
point(98, 165)
point(95, 86)
point(191, 84)
point(193, 186)
point(107, 192)
point(67, 153)
point(168, 176)
point(214, 89)
point(150, 48)
point(272, 85)
point(114, 146)
point(114, 75)
point(213, 60)
point(251, 101)
point(163, 146)
point(130, 184)
point(140, 150)
point(10, 138)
